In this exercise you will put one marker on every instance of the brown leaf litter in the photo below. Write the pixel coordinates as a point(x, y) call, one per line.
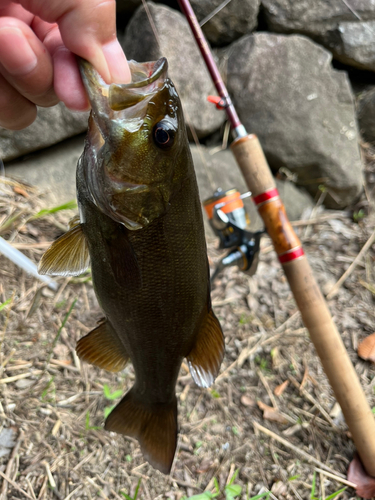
point(55, 404)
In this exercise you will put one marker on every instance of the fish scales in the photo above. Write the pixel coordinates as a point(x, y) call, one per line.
point(141, 227)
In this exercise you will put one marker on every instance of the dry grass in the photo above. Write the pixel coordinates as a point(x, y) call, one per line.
point(55, 405)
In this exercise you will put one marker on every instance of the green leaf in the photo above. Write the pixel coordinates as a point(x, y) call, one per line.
point(215, 394)
point(216, 483)
point(335, 494)
point(294, 477)
point(125, 495)
point(111, 395)
point(70, 205)
point(261, 495)
point(312, 494)
point(137, 489)
point(4, 304)
point(232, 491)
point(107, 410)
point(234, 476)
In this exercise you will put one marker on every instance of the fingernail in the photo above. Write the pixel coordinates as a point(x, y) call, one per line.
point(16, 55)
point(117, 64)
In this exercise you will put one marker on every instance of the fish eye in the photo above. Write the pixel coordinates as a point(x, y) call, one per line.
point(164, 135)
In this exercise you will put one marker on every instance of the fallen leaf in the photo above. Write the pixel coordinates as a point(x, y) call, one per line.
point(271, 414)
point(358, 475)
point(281, 388)
point(279, 488)
point(247, 401)
point(366, 349)
point(21, 191)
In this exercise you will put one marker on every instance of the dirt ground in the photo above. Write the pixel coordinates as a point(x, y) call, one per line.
point(52, 444)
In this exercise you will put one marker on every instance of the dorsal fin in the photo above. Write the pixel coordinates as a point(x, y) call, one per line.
point(205, 358)
point(68, 255)
point(102, 347)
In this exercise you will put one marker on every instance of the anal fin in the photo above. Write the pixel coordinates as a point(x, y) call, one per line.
point(102, 348)
point(153, 425)
point(205, 358)
point(68, 255)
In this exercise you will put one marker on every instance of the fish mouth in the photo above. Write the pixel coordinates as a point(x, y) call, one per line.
point(109, 100)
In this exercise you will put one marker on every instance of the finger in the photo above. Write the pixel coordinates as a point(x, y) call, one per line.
point(67, 80)
point(25, 63)
point(11, 9)
point(88, 29)
point(16, 112)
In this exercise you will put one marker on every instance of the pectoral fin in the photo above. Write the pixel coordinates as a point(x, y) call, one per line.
point(102, 347)
point(68, 255)
point(205, 358)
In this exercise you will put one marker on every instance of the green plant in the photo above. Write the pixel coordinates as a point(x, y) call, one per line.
point(330, 497)
point(128, 497)
point(70, 205)
point(87, 423)
point(108, 394)
point(50, 389)
point(231, 491)
point(358, 216)
point(4, 304)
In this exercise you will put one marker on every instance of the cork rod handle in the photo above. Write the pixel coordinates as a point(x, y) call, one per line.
point(311, 303)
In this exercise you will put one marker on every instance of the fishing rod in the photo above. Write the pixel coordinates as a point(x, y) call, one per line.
point(311, 303)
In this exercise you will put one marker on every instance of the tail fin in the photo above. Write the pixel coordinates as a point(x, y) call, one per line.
point(154, 425)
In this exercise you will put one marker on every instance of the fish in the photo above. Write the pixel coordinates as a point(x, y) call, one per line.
point(140, 228)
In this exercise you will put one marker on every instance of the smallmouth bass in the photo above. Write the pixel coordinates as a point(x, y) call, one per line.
point(140, 224)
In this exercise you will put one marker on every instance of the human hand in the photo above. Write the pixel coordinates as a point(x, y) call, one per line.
point(38, 40)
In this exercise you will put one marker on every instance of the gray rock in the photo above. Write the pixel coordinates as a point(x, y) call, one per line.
point(353, 43)
point(52, 125)
point(52, 170)
point(345, 28)
point(221, 170)
point(286, 92)
point(315, 17)
point(237, 18)
point(186, 67)
point(366, 114)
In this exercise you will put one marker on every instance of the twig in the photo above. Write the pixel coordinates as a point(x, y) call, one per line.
point(336, 478)
point(352, 266)
point(269, 392)
point(8, 380)
point(297, 450)
point(308, 396)
point(15, 485)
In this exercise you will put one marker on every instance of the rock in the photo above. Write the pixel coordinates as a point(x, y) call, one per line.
point(304, 114)
point(314, 17)
point(346, 30)
point(353, 43)
point(52, 170)
point(52, 125)
point(221, 170)
point(237, 18)
point(366, 114)
point(186, 67)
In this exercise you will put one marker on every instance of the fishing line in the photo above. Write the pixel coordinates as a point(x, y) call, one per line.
point(190, 124)
point(352, 10)
point(152, 24)
point(214, 12)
